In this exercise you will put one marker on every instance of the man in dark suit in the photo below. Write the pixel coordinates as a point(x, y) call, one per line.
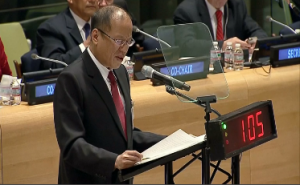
point(65, 36)
point(294, 7)
point(93, 107)
point(227, 20)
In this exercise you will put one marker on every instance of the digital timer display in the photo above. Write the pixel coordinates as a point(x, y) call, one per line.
point(183, 69)
point(246, 129)
point(44, 90)
point(241, 130)
point(289, 53)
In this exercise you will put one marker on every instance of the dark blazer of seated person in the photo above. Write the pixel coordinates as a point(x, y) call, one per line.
point(237, 23)
point(59, 38)
point(294, 11)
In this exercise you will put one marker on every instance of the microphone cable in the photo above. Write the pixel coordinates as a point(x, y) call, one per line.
point(256, 64)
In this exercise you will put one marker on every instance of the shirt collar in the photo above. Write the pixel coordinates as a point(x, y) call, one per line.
point(103, 70)
point(79, 21)
point(212, 10)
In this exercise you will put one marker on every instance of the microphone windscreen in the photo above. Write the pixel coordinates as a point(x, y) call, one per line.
point(135, 29)
point(269, 18)
point(34, 56)
point(147, 71)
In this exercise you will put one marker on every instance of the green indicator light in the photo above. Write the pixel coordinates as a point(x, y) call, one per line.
point(224, 126)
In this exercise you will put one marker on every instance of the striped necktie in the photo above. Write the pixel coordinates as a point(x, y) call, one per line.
point(117, 100)
point(219, 34)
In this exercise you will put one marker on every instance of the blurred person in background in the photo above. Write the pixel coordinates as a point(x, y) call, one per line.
point(4, 67)
point(294, 7)
point(65, 36)
point(227, 20)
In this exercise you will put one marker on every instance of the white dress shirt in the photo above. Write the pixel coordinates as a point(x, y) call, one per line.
point(104, 72)
point(80, 24)
point(212, 14)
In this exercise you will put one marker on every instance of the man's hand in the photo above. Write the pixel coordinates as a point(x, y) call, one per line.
point(87, 42)
point(235, 40)
point(128, 159)
point(252, 42)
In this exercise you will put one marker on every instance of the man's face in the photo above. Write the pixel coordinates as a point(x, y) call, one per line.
point(217, 3)
point(108, 52)
point(84, 8)
point(103, 3)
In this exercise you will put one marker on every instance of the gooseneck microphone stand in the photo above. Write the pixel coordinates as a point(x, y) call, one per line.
point(204, 102)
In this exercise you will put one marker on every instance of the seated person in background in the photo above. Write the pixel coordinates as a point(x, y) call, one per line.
point(65, 36)
point(93, 108)
point(4, 67)
point(227, 20)
point(294, 6)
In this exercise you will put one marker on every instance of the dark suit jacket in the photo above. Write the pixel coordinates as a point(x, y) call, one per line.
point(295, 15)
point(240, 24)
point(88, 129)
point(59, 38)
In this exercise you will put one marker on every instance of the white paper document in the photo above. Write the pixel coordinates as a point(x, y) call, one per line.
point(175, 142)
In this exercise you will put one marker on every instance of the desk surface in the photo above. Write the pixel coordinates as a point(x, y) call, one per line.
point(30, 152)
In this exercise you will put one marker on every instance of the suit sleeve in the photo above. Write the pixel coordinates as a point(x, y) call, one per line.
point(181, 16)
point(251, 28)
point(50, 44)
point(70, 130)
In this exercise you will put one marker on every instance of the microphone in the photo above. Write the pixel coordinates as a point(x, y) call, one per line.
point(270, 19)
point(135, 29)
point(168, 80)
point(35, 57)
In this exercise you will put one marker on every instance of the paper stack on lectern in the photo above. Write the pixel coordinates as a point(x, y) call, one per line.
point(175, 142)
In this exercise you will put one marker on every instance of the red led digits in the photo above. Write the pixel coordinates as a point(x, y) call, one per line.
point(252, 123)
point(260, 124)
point(243, 125)
point(251, 117)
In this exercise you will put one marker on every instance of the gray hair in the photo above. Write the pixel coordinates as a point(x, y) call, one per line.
point(102, 18)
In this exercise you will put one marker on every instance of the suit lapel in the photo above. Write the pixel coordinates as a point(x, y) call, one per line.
point(72, 27)
point(124, 89)
point(204, 14)
point(102, 89)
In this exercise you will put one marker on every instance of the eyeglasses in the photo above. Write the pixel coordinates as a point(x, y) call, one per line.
point(119, 42)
